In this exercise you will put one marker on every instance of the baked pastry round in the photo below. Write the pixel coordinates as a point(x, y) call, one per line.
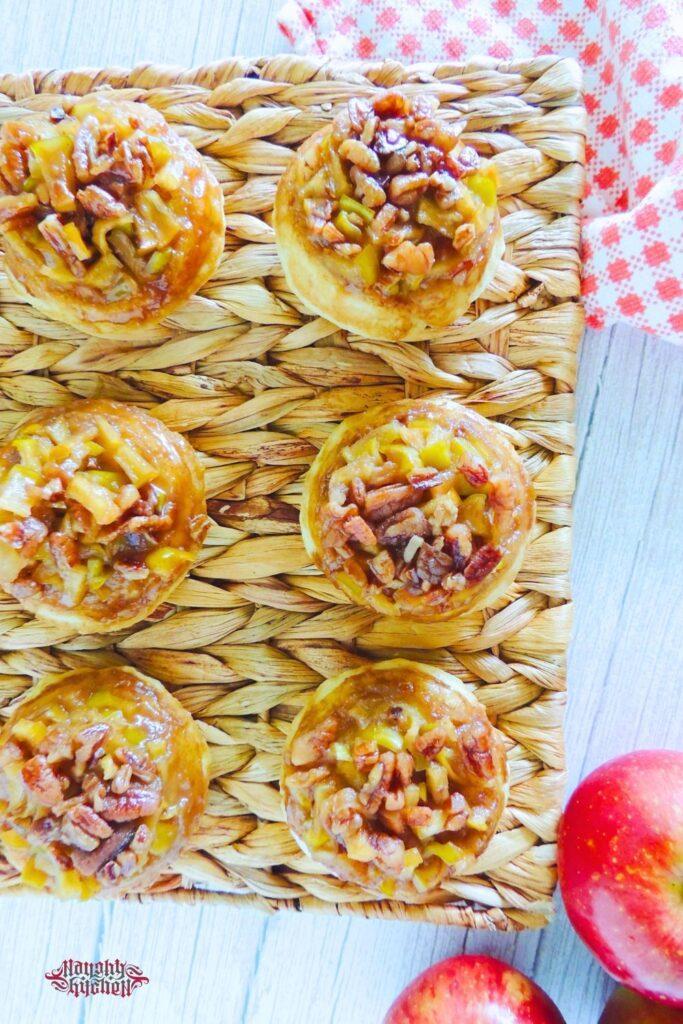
point(394, 778)
point(102, 513)
point(109, 219)
point(386, 223)
point(420, 510)
point(103, 776)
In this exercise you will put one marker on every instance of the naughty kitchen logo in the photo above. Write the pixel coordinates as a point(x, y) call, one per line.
point(102, 978)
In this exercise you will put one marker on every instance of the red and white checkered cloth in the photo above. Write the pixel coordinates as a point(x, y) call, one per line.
point(632, 55)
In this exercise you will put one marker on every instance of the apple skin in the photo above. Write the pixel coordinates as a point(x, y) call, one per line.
point(473, 990)
point(627, 1007)
point(620, 860)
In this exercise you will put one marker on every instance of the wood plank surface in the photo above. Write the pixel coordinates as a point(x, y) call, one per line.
point(218, 965)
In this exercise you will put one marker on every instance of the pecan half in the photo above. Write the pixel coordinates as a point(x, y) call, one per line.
point(385, 501)
point(41, 782)
point(136, 802)
point(481, 563)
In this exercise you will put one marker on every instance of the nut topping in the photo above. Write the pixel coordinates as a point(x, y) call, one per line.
point(406, 792)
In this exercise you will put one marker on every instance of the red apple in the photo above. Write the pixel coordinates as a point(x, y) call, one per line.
point(626, 1007)
point(621, 870)
point(473, 990)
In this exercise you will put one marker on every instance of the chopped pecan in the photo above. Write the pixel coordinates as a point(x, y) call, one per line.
point(331, 234)
point(310, 746)
point(459, 544)
point(136, 802)
point(463, 236)
point(399, 528)
point(99, 203)
point(481, 563)
point(382, 566)
point(52, 230)
point(304, 781)
point(85, 818)
point(57, 744)
point(431, 565)
point(476, 475)
point(127, 861)
point(365, 754)
point(357, 491)
point(88, 741)
point(94, 790)
point(141, 839)
point(85, 148)
point(358, 111)
point(432, 741)
point(359, 154)
point(404, 767)
point(41, 781)
point(408, 258)
point(405, 189)
point(71, 835)
point(369, 128)
point(367, 189)
point(457, 812)
point(383, 220)
point(390, 851)
point(44, 830)
point(376, 788)
point(108, 873)
point(342, 813)
point(477, 752)
point(140, 763)
point(386, 501)
point(137, 524)
point(426, 477)
point(357, 530)
point(395, 800)
point(122, 779)
point(89, 863)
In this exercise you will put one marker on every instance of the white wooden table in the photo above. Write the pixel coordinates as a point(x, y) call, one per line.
point(217, 965)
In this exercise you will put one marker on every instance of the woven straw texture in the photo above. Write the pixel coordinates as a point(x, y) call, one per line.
point(257, 384)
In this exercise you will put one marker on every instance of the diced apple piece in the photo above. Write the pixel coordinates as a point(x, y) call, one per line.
point(437, 454)
point(30, 731)
point(75, 582)
point(384, 736)
point(109, 434)
point(427, 876)
point(436, 825)
point(11, 562)
point(473, 512)
point(449, 853)
point(33, 876)
point(18, 490)
point(93, 496)
point(164, 561)
point(164, 837)
point(158, 225)
point(33, 451)
point(358, 848)
point(138, 469)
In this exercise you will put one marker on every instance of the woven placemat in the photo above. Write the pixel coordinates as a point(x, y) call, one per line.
point(257, 384)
